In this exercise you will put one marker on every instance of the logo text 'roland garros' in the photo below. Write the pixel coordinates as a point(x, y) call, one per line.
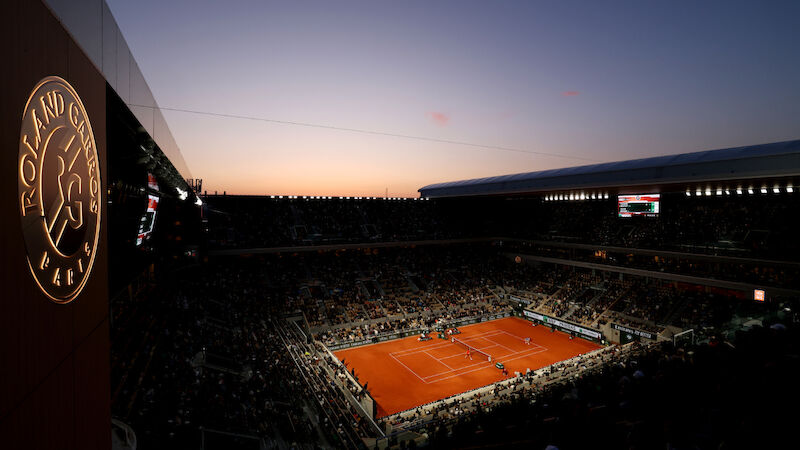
point(59, 189)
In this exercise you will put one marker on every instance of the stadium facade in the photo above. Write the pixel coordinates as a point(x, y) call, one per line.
point(88, 158)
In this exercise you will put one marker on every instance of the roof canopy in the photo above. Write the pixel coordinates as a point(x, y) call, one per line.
point(779, 159)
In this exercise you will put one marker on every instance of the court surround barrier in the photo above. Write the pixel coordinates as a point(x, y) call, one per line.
point(564, 325)
point(634, 331)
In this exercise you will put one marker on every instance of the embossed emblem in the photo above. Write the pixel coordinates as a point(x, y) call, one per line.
point(59, 189)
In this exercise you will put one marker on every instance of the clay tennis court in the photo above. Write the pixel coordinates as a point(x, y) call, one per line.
point(406, 373)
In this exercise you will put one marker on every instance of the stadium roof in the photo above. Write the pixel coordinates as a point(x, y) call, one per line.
point(95, 30)
point(778, 159)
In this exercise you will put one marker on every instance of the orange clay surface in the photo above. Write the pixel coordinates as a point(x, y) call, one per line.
point(406, 373)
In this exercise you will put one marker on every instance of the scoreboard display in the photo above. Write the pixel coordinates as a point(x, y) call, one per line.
point(148, 220)
point(147, 223)
point(643, 205)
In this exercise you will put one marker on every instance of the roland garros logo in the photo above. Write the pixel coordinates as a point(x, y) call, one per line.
point(59, 189)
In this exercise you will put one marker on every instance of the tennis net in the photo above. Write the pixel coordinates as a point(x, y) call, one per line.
point(472, 350)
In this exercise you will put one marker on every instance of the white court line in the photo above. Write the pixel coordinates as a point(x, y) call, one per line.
point(511, 357)
point(499, 345)
point(514, 355)
point(455, 370)
point(524, 356)
point(408, 368)
point(522, 339)
point(462, 353)
point(438, 360)
point(444, 344)
point(458, 374)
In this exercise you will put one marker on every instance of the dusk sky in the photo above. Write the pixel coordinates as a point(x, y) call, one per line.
point(547, 84)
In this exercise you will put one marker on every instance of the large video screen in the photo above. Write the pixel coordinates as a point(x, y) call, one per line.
point(641, 205)
point(148, 221)
point(152, 183)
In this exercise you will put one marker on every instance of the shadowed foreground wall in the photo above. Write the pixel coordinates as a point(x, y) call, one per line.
point(54, 358)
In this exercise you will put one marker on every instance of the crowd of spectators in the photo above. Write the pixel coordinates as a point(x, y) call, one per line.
point(216, 357)
point(209, 346)
point(740, 225)
point(755, 271)
point(247, 222)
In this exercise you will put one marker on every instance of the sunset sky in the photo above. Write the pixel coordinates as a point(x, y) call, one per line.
point(541, 84)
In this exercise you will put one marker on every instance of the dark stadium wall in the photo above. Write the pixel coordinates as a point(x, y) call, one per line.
point(54, 358)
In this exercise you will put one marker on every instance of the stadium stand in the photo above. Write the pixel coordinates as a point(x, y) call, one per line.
point(239, 346)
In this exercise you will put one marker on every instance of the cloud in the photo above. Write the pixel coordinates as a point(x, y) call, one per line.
point(439, 118)
point(570, 93)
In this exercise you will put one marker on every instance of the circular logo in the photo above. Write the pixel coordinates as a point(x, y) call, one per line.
point(59, 189)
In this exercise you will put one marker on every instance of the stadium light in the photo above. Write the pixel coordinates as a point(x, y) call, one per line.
point(182, 194)
point(763, 190)
point(727, 192)
point(750, 191)
point(198, 202)
point(708, 192)
point(583, 196)
point(776, 190)
point(789, 189)
point(698, 193)
point(719, 191)
point(606, 196)
point(688, 193)
point(738, 191)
